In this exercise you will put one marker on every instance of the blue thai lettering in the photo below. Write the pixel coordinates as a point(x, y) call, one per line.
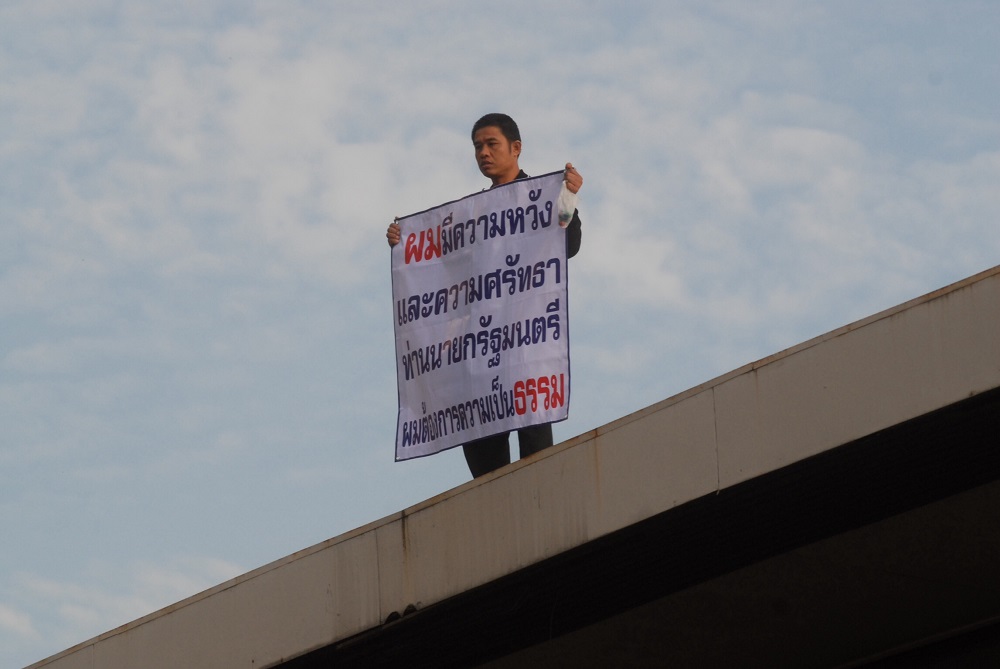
point(496, 226)
point(546, 218)
point(441, 302)
point(538, 330)
point(475, 288)
point(492, 285)
point(558, 266)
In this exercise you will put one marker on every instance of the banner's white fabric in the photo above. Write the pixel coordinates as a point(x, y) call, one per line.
point(479, 287)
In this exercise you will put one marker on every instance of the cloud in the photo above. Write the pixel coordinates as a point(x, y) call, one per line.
point(17, 623)
point(108, 597)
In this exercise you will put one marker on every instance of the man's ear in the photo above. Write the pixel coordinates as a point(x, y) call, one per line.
point(515, 147)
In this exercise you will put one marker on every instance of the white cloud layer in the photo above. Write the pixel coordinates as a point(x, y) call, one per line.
point(114, 595)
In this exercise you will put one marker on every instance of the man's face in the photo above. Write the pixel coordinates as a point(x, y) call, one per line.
point(496, 157)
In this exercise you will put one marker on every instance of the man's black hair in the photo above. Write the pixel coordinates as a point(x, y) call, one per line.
point(502, 121)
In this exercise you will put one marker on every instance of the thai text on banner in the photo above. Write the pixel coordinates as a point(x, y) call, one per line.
point(480, 293)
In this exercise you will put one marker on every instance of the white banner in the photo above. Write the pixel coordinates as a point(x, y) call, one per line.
point(482, 331)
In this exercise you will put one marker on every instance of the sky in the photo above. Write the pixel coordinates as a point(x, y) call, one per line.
point(196, 321)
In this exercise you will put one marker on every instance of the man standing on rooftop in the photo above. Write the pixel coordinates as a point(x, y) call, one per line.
point(497, 143)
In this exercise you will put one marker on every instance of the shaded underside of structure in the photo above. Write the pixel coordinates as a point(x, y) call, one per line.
point(883, 552)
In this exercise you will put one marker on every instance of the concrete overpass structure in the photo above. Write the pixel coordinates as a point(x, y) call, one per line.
point(834, 505)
